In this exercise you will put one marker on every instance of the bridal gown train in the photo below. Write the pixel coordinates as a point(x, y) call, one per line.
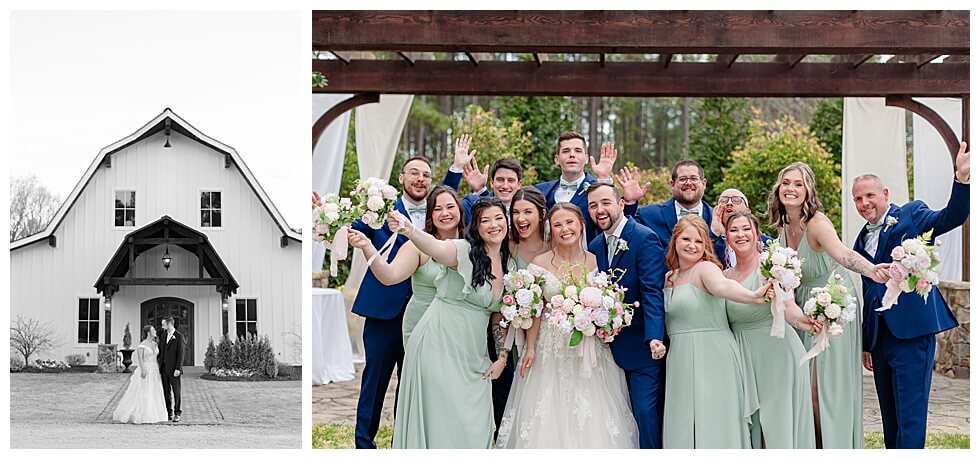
point(143, 401)
point(556, 406)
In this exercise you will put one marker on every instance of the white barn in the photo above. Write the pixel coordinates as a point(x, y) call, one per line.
point(165, 192)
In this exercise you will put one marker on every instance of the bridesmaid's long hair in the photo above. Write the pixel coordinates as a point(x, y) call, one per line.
point(430, 204)
point(482, 268)
point(533, 196)
point(709, 250)
point(811, 203)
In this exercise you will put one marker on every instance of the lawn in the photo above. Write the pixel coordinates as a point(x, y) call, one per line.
point(341, 436)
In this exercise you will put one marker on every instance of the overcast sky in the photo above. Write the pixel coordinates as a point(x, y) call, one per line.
point(83, 80)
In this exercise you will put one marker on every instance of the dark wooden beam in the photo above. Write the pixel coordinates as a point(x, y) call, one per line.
point(164, 281)
point(925, 59)
point(602, 59)
point(933, 118)
point(726, 59)
point(337, 110)
point(644, 79)
point(163, 240)
point(537, 58)
point(665, 59)
point(858, 60)
point(679, 32)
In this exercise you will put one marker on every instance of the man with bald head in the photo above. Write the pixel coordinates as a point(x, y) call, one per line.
point(730, 201)
point(900, 343)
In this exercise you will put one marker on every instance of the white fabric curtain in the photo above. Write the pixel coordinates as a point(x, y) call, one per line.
point(328, 157)
point(874, 143)
point(933, 168)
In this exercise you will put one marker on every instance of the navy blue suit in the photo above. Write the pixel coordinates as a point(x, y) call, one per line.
point(644, 275)
point(471, 199)
point(382, 307)
point(548, 189)
point(662, 217)
point(902, 340)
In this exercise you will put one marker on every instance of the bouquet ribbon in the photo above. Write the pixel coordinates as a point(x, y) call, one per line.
point(820, 343)
point(783, 298)
point(892, 290)
point(338, 249)
point(512, 337)
point(389, 244)
point(586, 350)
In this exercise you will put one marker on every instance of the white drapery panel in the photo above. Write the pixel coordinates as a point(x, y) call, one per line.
point(328, 157)
point(933, 168)
point(874, 143)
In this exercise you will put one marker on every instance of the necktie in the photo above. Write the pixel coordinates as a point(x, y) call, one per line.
point(873, 227)
point(610, 247)
point(570, 186)
point(416, 209)
point(688, 212)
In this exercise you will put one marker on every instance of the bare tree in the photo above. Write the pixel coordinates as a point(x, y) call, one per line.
point(31, 206)
point(28, 337)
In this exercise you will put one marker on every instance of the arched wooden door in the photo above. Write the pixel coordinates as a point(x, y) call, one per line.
point(152, 312)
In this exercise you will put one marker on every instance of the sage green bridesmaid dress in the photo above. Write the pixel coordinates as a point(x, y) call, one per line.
point(838, 369)
point(443, 400)
point(706, 403)
point(423, 291)
point(773, 371)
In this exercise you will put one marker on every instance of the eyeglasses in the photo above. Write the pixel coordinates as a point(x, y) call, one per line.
point(689, 179)
point(735, 200)
point(415, 175)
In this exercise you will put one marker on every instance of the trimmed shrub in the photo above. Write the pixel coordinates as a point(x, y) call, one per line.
point(16, 364)
point(246, 355)
point(210, 356)
point(75, 360)
point(284, 369)
point(127, 338)
point(225, 353)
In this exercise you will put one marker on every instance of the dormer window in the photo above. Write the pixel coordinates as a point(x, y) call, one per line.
point(125, 208)
point(210, 209)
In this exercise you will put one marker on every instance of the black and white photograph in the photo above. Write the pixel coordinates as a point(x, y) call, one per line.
point(704, 229)
point(157, 185)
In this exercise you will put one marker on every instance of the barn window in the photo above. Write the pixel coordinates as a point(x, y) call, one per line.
point(125, 208)
point(88, 321)
point(211, 209)
point(246, 317)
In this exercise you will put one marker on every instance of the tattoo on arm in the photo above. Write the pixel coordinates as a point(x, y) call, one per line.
point(858, 264)
point(498, 339)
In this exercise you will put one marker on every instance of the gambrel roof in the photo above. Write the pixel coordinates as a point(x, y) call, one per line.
point(158, 124)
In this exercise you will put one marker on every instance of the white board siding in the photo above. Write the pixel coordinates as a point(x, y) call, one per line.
point(46, 281)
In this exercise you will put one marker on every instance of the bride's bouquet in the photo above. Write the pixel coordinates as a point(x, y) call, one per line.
point(370, 201)
point(915, 269)
point(783, 266)
point(523, 299)
point(835, 306)
point(589, 309)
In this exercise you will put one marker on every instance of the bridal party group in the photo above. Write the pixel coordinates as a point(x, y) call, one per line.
point(693, 360)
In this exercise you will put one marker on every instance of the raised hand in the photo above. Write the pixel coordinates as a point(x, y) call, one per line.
point(963, 164)
point(607, 158)
point(357, 239)
point(657, 349)
point(398, 222)
point(463, 153)
point(473, 177)
point(717, 227)
point(316, 199)
point(630, 181)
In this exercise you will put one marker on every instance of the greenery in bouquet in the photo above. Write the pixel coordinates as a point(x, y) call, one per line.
point(523, 299)
point(833, 304)
point(590, 306)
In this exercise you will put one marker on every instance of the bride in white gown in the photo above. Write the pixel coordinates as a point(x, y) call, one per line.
point(553, 403)
point(143, 401)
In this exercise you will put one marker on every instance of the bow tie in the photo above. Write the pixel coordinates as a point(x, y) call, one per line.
point(689, 212)
point(873, 227)
point(568, 185)
point(415, 209)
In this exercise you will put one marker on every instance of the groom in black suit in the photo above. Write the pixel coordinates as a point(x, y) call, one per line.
point(170, 358)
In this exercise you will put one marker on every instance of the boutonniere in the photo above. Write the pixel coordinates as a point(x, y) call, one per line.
point(622, 247)
point(890, 222)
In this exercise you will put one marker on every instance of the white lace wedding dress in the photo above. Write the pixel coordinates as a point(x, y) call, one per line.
point(557, 406)
point(143, 401)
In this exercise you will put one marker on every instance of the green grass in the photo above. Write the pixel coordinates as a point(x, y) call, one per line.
point(876, 440)
point(341, 436)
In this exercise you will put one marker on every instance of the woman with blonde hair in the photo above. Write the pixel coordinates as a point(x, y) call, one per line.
point(795, 211)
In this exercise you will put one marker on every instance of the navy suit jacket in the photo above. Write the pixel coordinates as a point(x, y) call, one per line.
point(643, 278)
point(579, 199)
point(471, 199)
point(662, 217)
point(912, 317)
point(374, 299)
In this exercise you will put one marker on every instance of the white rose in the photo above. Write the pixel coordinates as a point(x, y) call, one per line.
point(836, 329)
point(608, 302)
point(589, 331)
point(591, 297)
point(617, 322)
point(345, 203)
point(577, 308)
point(509, 312)
point(778, 259)
point(331, 207)
point(571, 291)
point(524, 297)
point(332, 216)
point(565, 325)
point(375, 203)
point(908, 263)
point(369, 218)
point(810, 306)
point(568, 305)
point(824, 298)
point(898, 253)
point(832, 311)
point(911, 245)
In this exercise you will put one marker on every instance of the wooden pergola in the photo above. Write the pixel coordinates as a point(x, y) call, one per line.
point(893, 54)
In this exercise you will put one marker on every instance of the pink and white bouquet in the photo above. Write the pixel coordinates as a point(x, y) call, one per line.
point(593, 307)
point(375, 199)
point(915, 269)
point(331, 215)
point(523, 299)
point(835, 306)
point(371, 200)
point(783, 266)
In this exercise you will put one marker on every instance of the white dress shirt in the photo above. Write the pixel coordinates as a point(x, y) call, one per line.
point(871, 239)
point(418, 219)
point(563, 195)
